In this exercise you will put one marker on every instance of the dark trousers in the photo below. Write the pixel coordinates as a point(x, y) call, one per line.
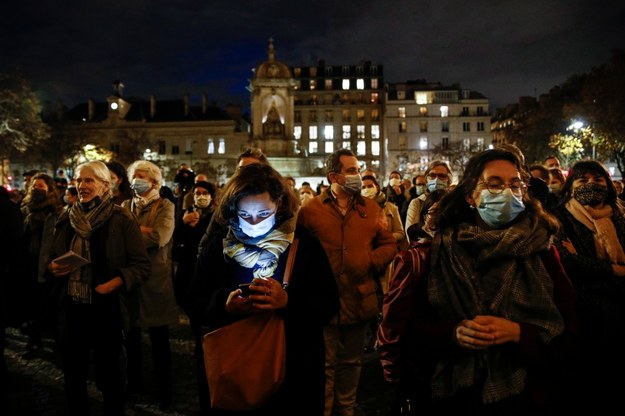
point(92, 329)
point(161, 358)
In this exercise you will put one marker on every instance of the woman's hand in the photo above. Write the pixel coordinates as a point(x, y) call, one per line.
point(58, 270)
point(485, 330)
point(191, 218)
point(567, 244)
point(268, 294)
point(110, 286)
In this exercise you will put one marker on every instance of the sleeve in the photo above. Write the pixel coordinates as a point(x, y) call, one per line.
point(163, 227)
point(138, 266)
point(412, 215)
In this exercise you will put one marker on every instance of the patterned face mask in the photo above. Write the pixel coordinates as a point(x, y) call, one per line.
point(590, 193)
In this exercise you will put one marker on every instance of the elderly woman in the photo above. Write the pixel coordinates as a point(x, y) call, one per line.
point(592, 247)
point(256, 217)
point(496, 298)
point(92, 315)
point(157, 307)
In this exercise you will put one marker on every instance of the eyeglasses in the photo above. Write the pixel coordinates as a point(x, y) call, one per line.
point(443, 176)
point(496, 186)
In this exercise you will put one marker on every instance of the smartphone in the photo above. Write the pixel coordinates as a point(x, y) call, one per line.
point(245, 289)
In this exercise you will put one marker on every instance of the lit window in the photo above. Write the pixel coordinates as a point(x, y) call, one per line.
point(328, 84)
point(375, 148)
point(222, 146)
point(401, 112)
point(421, 97)
point(374, 97)
point(312, 133)
point(211, 147)
point(480, 143)
point(444, 111)
point(375, 114)
point(374, 83)
point(328, 132)
point(361, 148)
point(423, 111)
point(402, 142)
point(297, 132)
point(360, 115)
point(346, 84)
point(346, 115)
point(312, 147)
point(375, 131)
point(401, 95)
point(360, 84)
point(328, 147)
point(360, 131)
point(466, 144)
point(403, 126)
point(347, 144)
point(423, 126)
point(347, 132)
point(313, 84)
point(423, 143)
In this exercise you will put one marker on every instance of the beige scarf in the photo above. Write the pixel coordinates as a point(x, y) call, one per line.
point(599, 221)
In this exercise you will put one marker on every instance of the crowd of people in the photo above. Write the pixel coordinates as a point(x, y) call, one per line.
point(500, 293)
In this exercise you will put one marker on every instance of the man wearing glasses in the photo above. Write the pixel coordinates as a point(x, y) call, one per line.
point(437, 176)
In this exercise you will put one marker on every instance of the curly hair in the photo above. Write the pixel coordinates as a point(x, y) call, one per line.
point(52, 197)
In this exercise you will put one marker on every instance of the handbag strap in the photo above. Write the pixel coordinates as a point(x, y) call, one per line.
point(289, 263)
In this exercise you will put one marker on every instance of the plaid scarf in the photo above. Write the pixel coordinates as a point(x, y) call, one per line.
point(84, 219)
point(491, 272)
point(261, 253)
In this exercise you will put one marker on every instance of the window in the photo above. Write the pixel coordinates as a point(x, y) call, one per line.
point(313, 71)
point(328, 84)
point(402, 142)
point(360, 131)
point(328, 146)
point(162, 147)
point(297, 132)
point(480, 126)
point(374, 97)
point(312, 133)
point(445, 126)
point(421, 97)
point(445, 143)
point(211, 147)
point(423, 126)
point(188, 146)
point(423, 111)
point(375, 114)
point(346, 115)
point(312, 147)
point(374, 83)
point(345, 83)
point(375, 148)
point(328, 132)
point(401, 95)
point(480, 111)
point(328, 116)
point(465, 111)
point(444, 111)
point(312, 116)
point(313, 84)
point(466, 144)
point(403, 127)
point(347, 144)
point(175, 149)
point(466, 126)
point(347, 132)
point(360, 115)
point(423, 143)
point(401, 112)
point(222, 146)
point(361, 148)
point(360, 84)
point(480, 143)
point(297, 71)
point(375, 132)
point(297, 116)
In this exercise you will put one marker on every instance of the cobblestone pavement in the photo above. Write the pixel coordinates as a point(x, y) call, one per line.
point(36, 386)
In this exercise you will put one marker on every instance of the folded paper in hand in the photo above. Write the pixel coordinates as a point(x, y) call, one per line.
point(71, 259)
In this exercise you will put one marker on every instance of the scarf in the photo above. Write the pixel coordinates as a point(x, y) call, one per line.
point(84, 219)
point(140, 202)
point(260, 254)
point(599, 221)
point(491, 272)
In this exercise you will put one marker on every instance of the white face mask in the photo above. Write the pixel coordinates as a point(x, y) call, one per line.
point(394, 182)
point(202, 201)
point(261, 228)
point(369, 192)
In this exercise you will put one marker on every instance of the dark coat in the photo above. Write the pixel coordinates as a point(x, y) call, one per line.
point(10, 253)
point(313, 301)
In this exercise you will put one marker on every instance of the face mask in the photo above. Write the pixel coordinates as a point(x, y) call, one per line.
point(435, 184)
point(369, 192)
point(39, 195)
point(140, 186)
point(305, 197)
point(261, 228)
point(353, 184)
point(419, 189)
point(114, 186)
point(499, 210)
point(202, 201)
point(590, 194)
point(554, 188)
point(394, 182)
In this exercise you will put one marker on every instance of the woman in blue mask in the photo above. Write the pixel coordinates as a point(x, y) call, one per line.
point(255, 230)
point(496, 304)
point(592, 246)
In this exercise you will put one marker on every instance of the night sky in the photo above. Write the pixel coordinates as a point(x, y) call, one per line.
point(73, 50)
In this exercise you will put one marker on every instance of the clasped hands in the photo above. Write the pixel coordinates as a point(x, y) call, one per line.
point(104, 288)
point(266, 294)
point(484, 331)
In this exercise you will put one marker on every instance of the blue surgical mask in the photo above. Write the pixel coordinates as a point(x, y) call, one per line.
point(258, 229)
point(140, 186)
point(353, 184)
point(419, 189)
point(434, 184)
point(501, 209)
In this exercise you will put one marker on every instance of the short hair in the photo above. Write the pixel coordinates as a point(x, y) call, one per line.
point(153, 171)
point(99, 169)
point(436, 163)
point(333, 163)
point(256, 179)
point(544, 172)
point(120, 171)
point(397, 172)
point(558, 174)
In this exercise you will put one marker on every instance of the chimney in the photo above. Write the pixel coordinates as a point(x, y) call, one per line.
point(204, 103)
point(186, 105)
point(152, 106)
point(90, 109)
